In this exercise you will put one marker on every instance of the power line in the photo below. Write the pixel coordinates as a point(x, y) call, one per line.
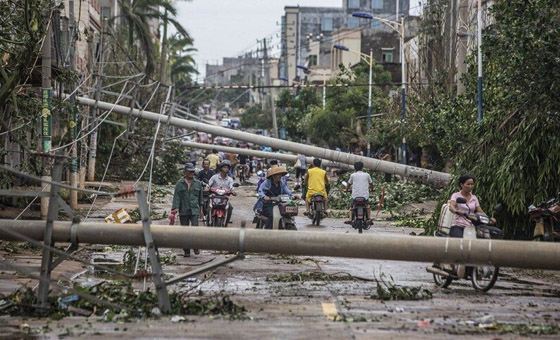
point(252, 87)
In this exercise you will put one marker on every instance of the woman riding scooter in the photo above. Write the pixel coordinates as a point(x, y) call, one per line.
point(466, 185)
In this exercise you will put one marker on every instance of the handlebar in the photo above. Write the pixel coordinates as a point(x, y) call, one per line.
point(223, 192)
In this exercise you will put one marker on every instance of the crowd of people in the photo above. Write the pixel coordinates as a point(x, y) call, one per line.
point(219, 172)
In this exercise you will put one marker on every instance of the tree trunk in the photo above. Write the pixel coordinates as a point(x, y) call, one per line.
point(163, 59)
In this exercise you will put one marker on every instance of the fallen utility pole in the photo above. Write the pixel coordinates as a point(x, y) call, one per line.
point(434, 177)
point(520, 254)
point(261, 154)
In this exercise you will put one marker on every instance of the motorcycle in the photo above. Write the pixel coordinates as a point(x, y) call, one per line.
point(242, 173)
point(205, 202)
point(482, 277)
point(283, 212)
point(317, 209)
point(360, 219)
point(257, 164)
point(218, 207)
point(547, 220)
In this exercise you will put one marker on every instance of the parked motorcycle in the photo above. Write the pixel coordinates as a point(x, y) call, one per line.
point(283, 212)
point(482, 277)
point(547, 220)
point(317, 209)
point(218, 207)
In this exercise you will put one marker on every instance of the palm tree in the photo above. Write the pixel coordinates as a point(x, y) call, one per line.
point(138, 14)
point(167, 19)
point(181, 61)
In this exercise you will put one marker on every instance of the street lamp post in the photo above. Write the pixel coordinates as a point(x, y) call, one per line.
point(399, 28)
point(368, 58)
point(479, 62)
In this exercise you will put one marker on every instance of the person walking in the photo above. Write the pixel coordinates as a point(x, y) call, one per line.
point(301, 169)
point(187, 201)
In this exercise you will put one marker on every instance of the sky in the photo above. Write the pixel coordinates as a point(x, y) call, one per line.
point(225, 28)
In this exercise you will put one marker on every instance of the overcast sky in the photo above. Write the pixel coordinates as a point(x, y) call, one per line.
point(225, 28)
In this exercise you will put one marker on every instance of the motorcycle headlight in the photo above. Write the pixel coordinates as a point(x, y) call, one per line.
point(484, 219)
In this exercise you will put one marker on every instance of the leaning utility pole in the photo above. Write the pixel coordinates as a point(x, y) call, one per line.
point(270, 91)
point(46, 115)
point(426, 175)
point(96, 111)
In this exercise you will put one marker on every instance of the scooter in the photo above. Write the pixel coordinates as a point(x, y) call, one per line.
point(283, 212)
point(242, 173)
point(483, 277)
point(547, 220)
point(257, 164)
point(360, 218)
point(218, 207)
point(317, 209)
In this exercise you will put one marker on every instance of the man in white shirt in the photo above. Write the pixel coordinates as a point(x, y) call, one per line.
point(360, 182)
point(221, 180)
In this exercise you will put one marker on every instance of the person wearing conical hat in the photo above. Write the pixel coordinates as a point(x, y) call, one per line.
point(273, 186)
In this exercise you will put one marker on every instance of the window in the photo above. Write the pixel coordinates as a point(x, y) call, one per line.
point(106, 12)
point(353, 4)
point(387, 55)
point(376, 24)
point(377, 4)
point(327, 24)
point(312, 60)
point(353, 22)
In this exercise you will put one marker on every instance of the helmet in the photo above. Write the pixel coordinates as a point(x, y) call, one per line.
point(260, 173)
point(224, 163)
point(275, 170)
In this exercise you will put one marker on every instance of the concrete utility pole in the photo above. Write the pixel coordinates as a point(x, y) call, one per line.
point(46, 114)
point(73, 121)
point(519, 254)
point(403, 91)
point(96, 112)
point(270, 90)
point(284, 157)
point(434, 177)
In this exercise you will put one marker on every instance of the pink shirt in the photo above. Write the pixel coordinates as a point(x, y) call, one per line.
point(470, 206)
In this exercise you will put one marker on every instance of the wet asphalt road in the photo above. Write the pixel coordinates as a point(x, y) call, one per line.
point(523, 303)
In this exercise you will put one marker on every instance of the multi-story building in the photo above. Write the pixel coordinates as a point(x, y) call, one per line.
point(301, 25)
point(308, 34)
point(447, 52)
